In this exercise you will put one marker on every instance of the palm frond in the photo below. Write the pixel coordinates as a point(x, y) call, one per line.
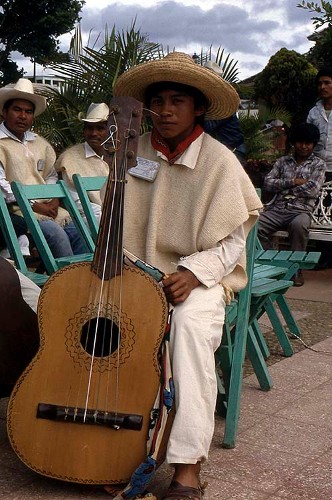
point(89, 77)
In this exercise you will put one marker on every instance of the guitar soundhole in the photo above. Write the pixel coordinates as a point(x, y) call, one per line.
point(100, 337)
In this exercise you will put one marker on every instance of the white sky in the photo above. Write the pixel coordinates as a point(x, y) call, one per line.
point(251, 31)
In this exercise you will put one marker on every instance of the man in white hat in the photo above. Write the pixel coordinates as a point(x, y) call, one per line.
point(190, 220)
point(28, 158)
point(86, 159)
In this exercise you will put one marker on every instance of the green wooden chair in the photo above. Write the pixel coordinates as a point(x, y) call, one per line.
point(13, 246)
point(25, 193)
point(239, 337)
point(286, 264)
point(83, 185)
point(292, 260)
point(262, 271)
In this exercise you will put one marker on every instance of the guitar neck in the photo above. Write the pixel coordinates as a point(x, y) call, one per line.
point(120, 154)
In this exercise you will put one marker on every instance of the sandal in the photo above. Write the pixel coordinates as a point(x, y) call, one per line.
point(115, 490)
point(177, 491)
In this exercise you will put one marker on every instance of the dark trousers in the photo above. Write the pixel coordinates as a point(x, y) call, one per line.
point(20, 228)
point(296, 222)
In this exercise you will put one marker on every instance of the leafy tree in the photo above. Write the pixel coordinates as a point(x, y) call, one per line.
point(324, 12)
point(9, 72)
point(287, 82)
point(32, 27)
point(321, 53)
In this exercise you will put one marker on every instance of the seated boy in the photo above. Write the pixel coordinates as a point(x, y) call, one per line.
point(296, 180)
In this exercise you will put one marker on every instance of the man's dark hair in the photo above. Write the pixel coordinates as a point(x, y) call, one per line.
point(304, 132)
point(199, 97)
point(8, 103)
point(326, 71)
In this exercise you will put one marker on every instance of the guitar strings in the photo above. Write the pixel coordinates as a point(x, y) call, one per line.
point(102, 266)
point(117, 248)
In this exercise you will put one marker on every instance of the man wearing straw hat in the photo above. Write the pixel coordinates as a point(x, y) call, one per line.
point(28, 158)
point(194, 215)
point(86, 159)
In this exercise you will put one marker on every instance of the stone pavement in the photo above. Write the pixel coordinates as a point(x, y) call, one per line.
point(284, 444)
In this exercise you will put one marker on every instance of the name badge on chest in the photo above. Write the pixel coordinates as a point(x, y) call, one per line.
point(40, 165)
point(145, 169)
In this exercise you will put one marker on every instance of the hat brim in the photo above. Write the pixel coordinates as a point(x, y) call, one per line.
point(90, 120)
point(39, 101)
point(180, 68)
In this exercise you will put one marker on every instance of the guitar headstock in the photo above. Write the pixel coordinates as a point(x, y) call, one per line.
point(124, 123)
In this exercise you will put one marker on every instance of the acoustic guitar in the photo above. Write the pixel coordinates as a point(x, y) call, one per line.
point(80, 412)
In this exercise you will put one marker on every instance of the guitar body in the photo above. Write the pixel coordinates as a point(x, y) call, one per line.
point(19, 337)
point(125, 380)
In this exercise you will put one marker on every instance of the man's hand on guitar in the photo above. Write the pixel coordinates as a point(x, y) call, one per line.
point(177, 286)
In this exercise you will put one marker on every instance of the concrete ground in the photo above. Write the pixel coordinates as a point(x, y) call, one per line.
point(284, 444)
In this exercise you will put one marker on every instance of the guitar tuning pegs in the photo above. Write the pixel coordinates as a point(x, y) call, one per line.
point(115, 109)
point(130, 133)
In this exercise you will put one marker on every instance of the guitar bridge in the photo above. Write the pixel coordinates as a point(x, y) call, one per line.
point(92, 417)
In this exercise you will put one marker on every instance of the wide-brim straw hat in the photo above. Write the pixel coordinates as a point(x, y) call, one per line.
point(22, 89)
point(180, 68)
point(97, 112)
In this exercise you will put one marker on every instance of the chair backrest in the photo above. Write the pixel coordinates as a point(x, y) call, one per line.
point(244, 296)
point(83, 185)
point(14, 247)
point(24, 193)
point(10, 236)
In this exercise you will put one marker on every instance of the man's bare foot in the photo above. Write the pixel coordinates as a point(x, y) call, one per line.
point(187, 474)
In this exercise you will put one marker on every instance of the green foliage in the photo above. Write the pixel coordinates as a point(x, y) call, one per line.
point(89, 77)
point(324, 11)
point(287, 82)
point(321, 53)
point(258, 139)
point(32, 27)
point(9, 72)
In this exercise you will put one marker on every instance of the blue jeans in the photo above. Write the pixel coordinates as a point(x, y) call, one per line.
point(56, 237)
point(62, 241)
point(77, 243)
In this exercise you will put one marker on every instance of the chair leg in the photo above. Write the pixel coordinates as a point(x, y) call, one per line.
point(260, 339)
point(235, 389)
point(288, 316)
point(258, 363)
point(279, 329)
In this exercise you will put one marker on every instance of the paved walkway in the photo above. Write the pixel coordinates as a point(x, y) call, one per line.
point(284, 445)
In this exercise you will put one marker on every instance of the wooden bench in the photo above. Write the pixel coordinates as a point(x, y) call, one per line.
point(321, 223)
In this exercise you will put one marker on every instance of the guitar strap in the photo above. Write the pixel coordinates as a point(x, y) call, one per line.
point(162, 413)
point(154, 272)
